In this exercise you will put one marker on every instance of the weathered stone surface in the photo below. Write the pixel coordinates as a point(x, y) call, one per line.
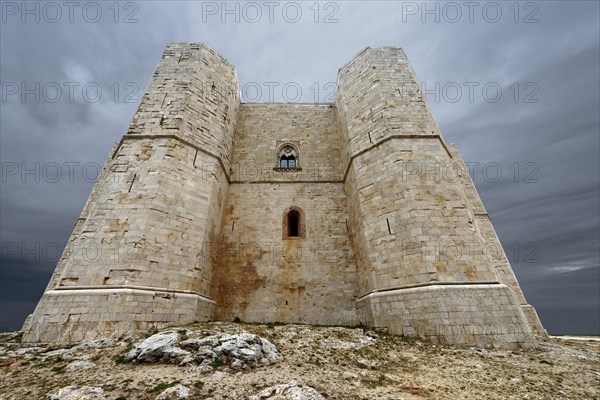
point(239, 350)
point(157, 347)
point(368, 363)
point(290, 391)
point(78, 393)
point(189, 218)
point(79, 366)
point(177, 392)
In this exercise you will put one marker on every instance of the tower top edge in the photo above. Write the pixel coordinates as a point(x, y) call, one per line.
point(202, 45)
point(290, 104)
point(198, 46)
point(372, 49)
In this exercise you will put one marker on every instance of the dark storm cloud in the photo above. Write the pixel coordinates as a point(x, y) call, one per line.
point(558, 135)
point(549, 211)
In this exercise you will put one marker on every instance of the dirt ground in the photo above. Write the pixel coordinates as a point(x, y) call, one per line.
point(340, 363)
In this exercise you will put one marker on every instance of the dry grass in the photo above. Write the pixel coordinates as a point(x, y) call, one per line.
point(338, 362)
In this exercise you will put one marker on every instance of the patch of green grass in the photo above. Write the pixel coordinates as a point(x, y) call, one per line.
point(162, 386)
point(120, 359)
point(216, 363)
point(199, 384)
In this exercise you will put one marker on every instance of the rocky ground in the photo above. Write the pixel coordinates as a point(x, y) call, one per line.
point(293, 362)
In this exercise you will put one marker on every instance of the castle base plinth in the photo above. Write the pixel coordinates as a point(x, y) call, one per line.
point(111, 312)
point(486, 315)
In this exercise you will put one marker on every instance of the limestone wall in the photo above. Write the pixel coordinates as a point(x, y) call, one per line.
point(311, 127)
point(412, 222)
point(416, 219)
point(482, 315)
point(194, 93)
point(262, 277)
point(378, 97)
point(152, 210)
point(147, 221)
point(85, 314)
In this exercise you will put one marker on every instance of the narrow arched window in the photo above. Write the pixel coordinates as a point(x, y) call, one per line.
point(293, 223)
point(288, 157)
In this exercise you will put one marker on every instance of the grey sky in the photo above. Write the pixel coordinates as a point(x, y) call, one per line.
point(542, 134)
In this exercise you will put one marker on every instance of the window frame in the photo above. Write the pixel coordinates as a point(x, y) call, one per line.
point(283, 161)
point(301, 223)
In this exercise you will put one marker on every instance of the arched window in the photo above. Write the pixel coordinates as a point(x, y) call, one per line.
point(287, 162)
point(293, 223)
point(287, 157)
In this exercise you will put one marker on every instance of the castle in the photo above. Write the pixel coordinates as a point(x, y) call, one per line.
point(349, 213)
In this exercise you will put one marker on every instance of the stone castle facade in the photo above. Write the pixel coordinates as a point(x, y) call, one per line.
point(350, 213)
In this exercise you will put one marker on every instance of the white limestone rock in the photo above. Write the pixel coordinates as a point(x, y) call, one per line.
point(79, 366)
point(237, 365)
point(347, 375)
point(369, 364)
point(254, 349)
point(290, 391)
point(78, 393)
point(157, 347)
point(177, 392)
point(26, 351)
point(65, 354)
point(217, 376)
point(270, 352)
point(247, 349)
